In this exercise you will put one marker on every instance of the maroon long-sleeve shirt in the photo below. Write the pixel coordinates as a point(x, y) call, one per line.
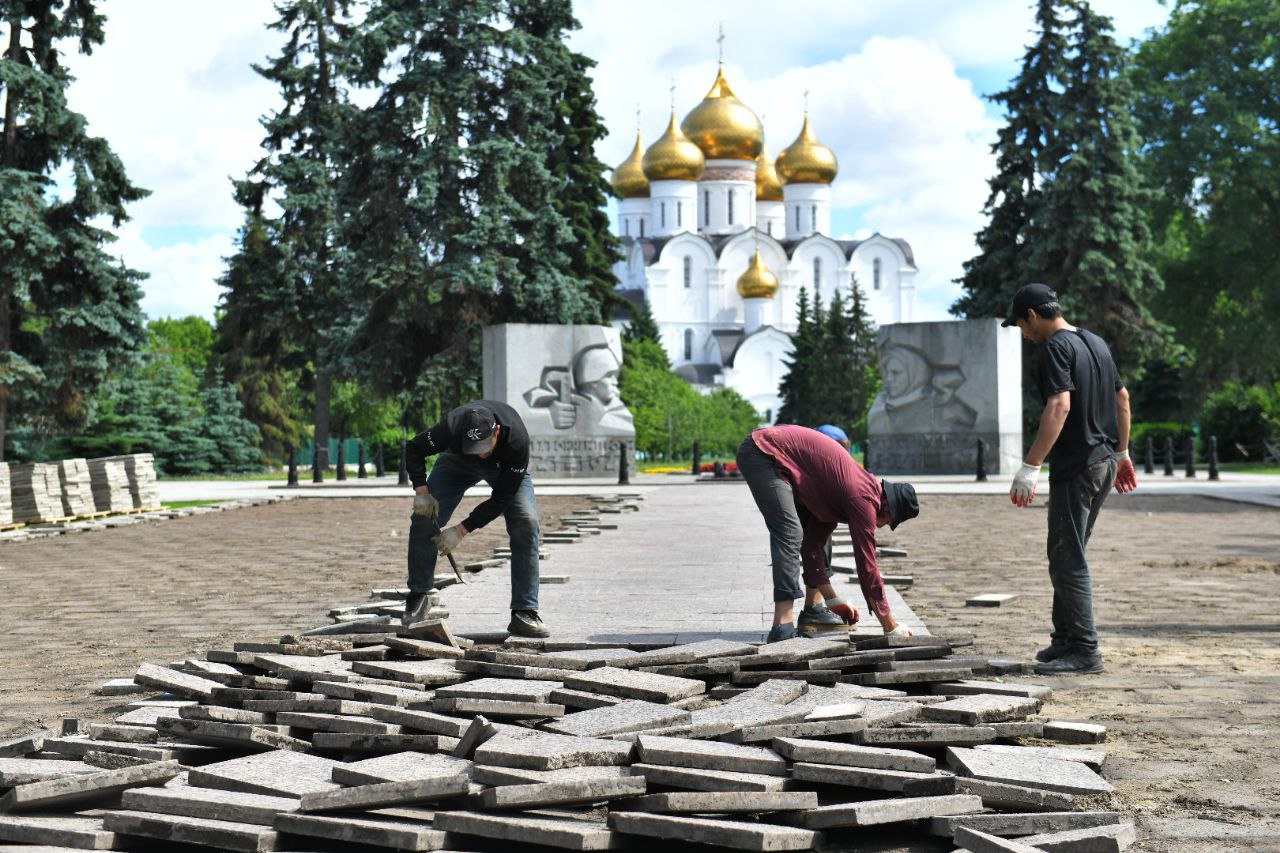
point(833, 488)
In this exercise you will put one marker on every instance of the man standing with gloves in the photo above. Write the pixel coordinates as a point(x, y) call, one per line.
point(483, 440)
point(1084, 435)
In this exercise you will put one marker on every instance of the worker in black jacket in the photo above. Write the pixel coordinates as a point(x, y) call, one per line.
point(483, 440)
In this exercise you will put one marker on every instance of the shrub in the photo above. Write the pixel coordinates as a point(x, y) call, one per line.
point(1157, 432)
point(1243, 417)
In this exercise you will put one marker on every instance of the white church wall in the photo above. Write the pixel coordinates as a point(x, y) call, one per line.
point(881, 267)
point(831, 267)
point(758, 369)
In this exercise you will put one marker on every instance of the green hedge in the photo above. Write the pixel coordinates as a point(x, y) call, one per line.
point(1158, 432)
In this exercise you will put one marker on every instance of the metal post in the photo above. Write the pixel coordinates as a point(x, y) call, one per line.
point(379, 466)
point(293, 466)
point(982, 461)
point(624, 470)
point(1213, 457)
point(342, 458)
point(697, 457)
point(1168, 456)
point(1149, 467)
point(1191, 456)
point(404, 465)
point(866, 454)
point(317, 473)
point(361, 474)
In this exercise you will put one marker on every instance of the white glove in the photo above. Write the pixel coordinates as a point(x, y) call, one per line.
point(899, 630)
point(426, 506)
point(449, 539)
point(1023, 491)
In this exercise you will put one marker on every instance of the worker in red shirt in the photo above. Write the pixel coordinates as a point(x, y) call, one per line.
point(804, 484)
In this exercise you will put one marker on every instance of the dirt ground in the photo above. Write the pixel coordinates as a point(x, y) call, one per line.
point(1186, 590)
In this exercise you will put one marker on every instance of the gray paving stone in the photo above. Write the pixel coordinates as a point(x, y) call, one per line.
point(208, 803)
point(565, 833)
point(738, 835)
point(936, 735)
point(709, 755)
point(1067, 776)
point(306, 667)
point(1093, 758)
point(225, 835)
point(731, 716)
point(1028, 823)
point(80, 745)
point(981, 842)
point(421, 720)
point(983, 708)
point(1064, 732)
point(336, 723)
point(435, 630)
point(399, 767)
point(86, 786)
point(387, 793)
point(530, 658)
point(178, 683)
point(896, 810)
point(1027, 728)
point(1097, 839)
point(368, 829)
point(429, 672)
point(511, 671)
point(874, 779)
point(584, 658)
point(721, 802)
point(546, 751)
point(969, 687)
point(513, 689)
point(23, 771)
point(222, 714)
point(121, 687)
point(279, 773)
point(508, 708)
point(424, 648)
point(634, 685)
point(805, 728)
point(708, 780)
point(75, 831)
point(927, 676)
point(544, 794)
point(991, 599)
point(369, 744)
point(229, 734)
point(796, 650)
point(748, 678)
point(890, 712)
point(479, 732)
point(779, 691)
point(853, 755)
point(1015, 797)
point(112, 760)
point(687, 653)
point(627, 716)
point(490, 775)
point(715, 668)
point(17, 747)
point(375, 694)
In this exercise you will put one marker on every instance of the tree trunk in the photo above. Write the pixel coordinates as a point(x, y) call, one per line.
point(324, 383)
point(7, 158)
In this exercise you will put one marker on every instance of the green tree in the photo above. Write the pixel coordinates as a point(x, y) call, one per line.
point(68, 311)
point(642, 326)
point(222, 422)
point(1244, 418)
point(188, 340)
point(804, 385)
point(1208, 97)
point(851, 372)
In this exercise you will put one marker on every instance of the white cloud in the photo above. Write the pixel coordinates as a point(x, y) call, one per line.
point(183, 276)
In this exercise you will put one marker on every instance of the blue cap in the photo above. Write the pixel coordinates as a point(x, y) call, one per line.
point(833, 432)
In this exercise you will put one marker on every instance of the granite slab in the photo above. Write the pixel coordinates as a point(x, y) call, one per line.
point(224, 835)
point(210, 803)
point(875, 779)
point(81, 832)
point(541, 795)
point(895, 810)
point(853, 755)
point(550, 831)
point(547, 751)
point(1069, 777)
point(739, 835)
point(399, 767)
point(386, 793)
point(279, 773)
point(86, 786)
point(629, 684)
point(629, 715)
point(692, 779)
point(709, 755)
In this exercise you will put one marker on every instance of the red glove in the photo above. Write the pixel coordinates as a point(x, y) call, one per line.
point(1126, 475)
point(842, 609)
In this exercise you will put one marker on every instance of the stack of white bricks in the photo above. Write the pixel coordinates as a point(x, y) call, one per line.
point(6, 503)
point(141, 470)
point(110, 483)
point(77, 489)
point(36, 491)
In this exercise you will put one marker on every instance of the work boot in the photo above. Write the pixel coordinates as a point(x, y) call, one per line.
point(778, 633)
point(1072, 663)
point(818, 617)
point(415, 608)
point(1053, 651)
point(525, 623)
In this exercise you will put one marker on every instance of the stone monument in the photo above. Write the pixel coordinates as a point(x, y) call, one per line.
point(947, 385)
point(563, 380)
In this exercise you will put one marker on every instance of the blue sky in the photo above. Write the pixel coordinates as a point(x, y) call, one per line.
point(895, 89)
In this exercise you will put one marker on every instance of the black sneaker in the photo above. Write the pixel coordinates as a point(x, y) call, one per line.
point(525, 623)
point(1053, 651)
point(416, 607)
point(1072, 663)
point(785, 631)
point(818, 617)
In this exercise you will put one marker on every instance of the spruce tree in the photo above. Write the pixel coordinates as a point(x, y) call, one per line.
point(642, 326)
point(236, 439)
point(68, 311)
point(801, 387)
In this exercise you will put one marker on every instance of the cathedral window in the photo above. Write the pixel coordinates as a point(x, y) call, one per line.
point(626, 227)
point(688, 344)
point(688, 271)
point(813, 218)
point(875, 274)
point(797, 217)
point(768, 227)
point(641, 229)
point(817, 274)
point(706, 209)
point(662, 215)
point(729, 195)
point(679, 214)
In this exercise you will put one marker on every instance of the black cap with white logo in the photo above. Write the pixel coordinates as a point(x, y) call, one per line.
point(478, 424)
point(1029, 296)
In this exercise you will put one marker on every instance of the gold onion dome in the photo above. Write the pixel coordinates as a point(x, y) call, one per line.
point(757, 281)
point(807, 161)
point(673, 157)
point(768, 187)
point(724, 127)
point(628, 178)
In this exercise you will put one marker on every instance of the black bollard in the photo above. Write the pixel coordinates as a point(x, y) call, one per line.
point(379, 466)
point(982, 461)
point(1213, 457)
point(404, 466)
point(1191, 456)
point(342, 459)
point(317, 473)
point(1149, 466)
point(1168, 456)
point(624, 470)
point(361, 474)
point(866, 454)
point(293, 466)
point(697, 458)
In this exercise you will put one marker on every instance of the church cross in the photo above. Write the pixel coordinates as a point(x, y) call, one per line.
point(720, 42)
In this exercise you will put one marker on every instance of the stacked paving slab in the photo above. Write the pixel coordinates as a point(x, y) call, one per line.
point(35, 491)
point(140, 468)
point(77, 487)
point(110, 483)
point(6, 501)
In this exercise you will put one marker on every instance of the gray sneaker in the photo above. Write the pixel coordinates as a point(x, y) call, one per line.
point(1050, 652)
point(778, 633)
point(818, 617)
point(416, 607)
point(526, 623)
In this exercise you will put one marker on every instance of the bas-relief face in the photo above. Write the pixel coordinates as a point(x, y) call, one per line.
point(604, 389)
point(897, 379)
point(904, 371)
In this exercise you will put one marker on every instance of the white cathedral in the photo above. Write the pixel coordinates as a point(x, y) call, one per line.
point(719, 238)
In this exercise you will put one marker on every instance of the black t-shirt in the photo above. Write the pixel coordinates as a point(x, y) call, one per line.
point(510, 457)
point(1080, 362)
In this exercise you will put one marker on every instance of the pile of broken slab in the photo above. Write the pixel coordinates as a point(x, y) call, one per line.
point(417, 739)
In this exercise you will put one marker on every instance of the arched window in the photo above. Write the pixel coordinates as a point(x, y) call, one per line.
point(626, 227)
point(641, 229)
point(768, 227)
point(875, 274)
point(688, 271)
point(813, 217)
point(797, 217)
point(817, 274)
point(688, 344)
point(706, 208)
point(729, 196)
point(679, 214)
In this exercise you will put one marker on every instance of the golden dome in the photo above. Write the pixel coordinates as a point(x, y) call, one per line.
point(724, 127)
point(628, 178)
point(757, 281)
point(768, 187)
point(807, 161)
point(673, 157)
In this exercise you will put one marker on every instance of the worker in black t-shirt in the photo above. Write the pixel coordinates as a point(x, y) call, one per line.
point(1084, 435)
point(483, 440)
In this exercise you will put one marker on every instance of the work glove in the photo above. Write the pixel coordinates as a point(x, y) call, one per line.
point(843, 609)
point(899, 630)
point(1126, 475)
point(426, 506)
point(449, 539)
point(1023, 491)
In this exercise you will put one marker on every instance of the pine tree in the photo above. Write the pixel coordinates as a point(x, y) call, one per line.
point(642, 326)
point(236, 439)
point(866, 361)
point(801, 388)
point(68, 311)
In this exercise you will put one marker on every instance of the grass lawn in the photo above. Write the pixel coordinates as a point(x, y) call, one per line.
point(187, 504)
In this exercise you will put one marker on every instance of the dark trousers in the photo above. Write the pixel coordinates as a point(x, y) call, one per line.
point(448, 481)
point(1074, 505)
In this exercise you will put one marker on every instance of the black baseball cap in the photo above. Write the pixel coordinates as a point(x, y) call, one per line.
point(1029, 296)
point(900, 501)
point(478, 424)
